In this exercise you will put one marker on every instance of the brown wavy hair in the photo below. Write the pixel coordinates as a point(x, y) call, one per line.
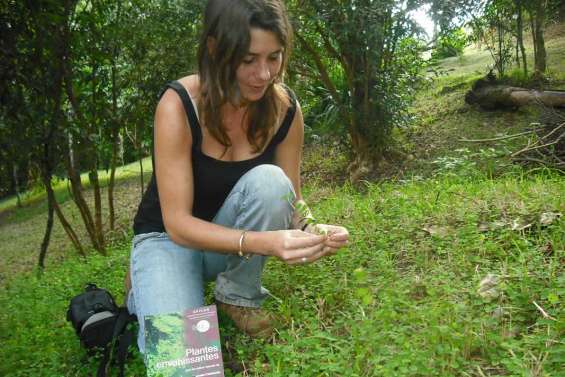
point(229, 23)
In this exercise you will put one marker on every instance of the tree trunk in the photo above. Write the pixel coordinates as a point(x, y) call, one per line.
point(520, 36)
point(46, 168)
point(111, 184)
point(47, 155)
point(533, 29)
point(72, 168)
point(46, 176)
point(47, 235)
point(16, 185)
point(98, 229)
point(540, 54)
point(115, 139)
point(362, 162)
point(501, 53)
point(121, 150)
point(78, 198)
point(66, 225)
point(517, 55)
point(93, 162)
point(71, 156)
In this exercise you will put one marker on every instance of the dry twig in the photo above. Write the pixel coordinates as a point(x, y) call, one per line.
point(531, 148)
point(543, 312)
point(505, 137)
point(546, 147)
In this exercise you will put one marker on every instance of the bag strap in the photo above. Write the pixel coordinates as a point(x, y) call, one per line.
point(126, 339)
point(90, 287)
point(123, 341)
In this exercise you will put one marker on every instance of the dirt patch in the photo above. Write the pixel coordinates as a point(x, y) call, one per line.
point(554, 31)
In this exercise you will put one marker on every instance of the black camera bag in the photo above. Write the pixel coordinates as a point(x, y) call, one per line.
point(101, 325)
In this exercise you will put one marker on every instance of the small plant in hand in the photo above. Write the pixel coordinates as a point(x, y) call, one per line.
point(307, 221)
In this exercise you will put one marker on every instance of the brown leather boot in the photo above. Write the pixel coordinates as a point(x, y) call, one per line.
point(255, 322)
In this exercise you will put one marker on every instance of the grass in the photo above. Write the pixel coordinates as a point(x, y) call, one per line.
point(404, 299)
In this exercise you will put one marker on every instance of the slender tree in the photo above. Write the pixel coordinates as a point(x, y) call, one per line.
point(115, 120)
point(362, 54)
point(520, 33)
point(537, 13)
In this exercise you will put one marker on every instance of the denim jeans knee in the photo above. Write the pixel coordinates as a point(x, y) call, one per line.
point(261, 200)
point(269, 187)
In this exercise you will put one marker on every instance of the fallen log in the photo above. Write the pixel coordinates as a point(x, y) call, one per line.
point(496, 96)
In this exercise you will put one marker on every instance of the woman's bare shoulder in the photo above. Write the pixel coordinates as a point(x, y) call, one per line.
point(170, 101)
point(170, 108)
point(283, 95)
point(170, 119)
point(192, 84)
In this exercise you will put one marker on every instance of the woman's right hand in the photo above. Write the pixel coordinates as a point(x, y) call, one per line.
point(297, 247)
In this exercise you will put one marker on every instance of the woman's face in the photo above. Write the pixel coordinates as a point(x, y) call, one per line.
point(260, 66)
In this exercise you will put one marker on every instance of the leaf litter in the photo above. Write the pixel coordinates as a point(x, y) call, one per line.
point(522, 223)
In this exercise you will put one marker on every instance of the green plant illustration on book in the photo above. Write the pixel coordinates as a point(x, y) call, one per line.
point(164, 341)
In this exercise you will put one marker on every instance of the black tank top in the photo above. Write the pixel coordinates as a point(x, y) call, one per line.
point(213, 179)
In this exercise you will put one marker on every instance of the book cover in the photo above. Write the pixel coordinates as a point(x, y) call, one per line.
point(184, 344)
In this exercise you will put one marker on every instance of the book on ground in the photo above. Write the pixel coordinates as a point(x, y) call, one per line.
point(184, 344)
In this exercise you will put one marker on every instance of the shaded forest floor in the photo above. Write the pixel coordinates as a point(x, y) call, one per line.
point(456, 265)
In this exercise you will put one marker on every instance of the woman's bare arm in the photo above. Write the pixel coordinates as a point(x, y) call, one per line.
point(288, 157)
point(289, 151)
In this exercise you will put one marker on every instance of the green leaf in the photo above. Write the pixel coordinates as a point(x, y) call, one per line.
point(553, 298)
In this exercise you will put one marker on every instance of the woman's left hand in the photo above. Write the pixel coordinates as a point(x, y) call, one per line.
point(338, 236)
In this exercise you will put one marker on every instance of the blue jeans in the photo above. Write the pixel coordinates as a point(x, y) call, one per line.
point(167, 277)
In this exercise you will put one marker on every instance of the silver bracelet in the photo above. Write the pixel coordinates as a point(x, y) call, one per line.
point(240, 252)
